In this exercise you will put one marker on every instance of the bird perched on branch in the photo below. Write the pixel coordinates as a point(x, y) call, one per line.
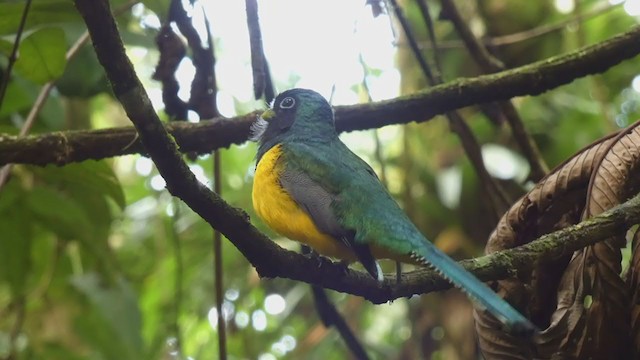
point(311, 188)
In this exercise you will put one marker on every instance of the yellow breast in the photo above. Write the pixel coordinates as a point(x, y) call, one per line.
point(282, 214)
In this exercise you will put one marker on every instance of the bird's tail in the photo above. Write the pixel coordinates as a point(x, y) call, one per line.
point(480, 293)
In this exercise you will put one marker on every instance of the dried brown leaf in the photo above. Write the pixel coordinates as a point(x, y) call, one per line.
point(494, 342)
point(172, 50)
point(633, 283)
point(593, 301)
point(554, 203)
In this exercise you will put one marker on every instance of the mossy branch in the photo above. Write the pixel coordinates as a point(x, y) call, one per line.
point(71, 146)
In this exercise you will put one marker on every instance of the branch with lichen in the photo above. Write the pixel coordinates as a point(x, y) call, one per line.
point(71, 146)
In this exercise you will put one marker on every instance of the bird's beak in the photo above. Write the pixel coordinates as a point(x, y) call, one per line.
point(268, 115)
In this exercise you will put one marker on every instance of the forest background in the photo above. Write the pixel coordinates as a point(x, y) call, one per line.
point(99, 261)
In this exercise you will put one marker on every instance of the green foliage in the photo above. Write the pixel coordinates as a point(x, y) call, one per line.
point(42, 13)
point(41, 56)
point(16, 99)
point(114, 321)
point(91, 176)
point(15, 248)
point(83, 76)
point(54, 210)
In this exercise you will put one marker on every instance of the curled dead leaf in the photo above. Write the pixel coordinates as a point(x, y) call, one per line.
point(593, 301)
point(554, 203)
point(633, 283)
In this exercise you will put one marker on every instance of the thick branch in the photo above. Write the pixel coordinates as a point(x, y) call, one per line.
point(533, 79)
point(498, 265)
point(78, 145)
point(273, 261)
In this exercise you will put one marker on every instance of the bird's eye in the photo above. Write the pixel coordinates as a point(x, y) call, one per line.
point(287, 103)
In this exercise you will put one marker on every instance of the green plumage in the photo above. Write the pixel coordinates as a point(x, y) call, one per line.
point(345, 199)
point(361, 203)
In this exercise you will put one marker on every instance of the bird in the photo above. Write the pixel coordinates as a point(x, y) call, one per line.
point(310, 187)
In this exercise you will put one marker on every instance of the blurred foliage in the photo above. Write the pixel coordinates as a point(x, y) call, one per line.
point(97, 261)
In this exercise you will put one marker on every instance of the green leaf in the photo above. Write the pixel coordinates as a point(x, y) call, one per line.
point(95, 176)
point(97, 209)
point(6, 47)
point(42, 55)
point(15, 247)
point(84, 76)
point(17, 98)
point(41, 12)
point(8, 130)
point(57, 351)
point(58, 213)
point(118, 307)
point(11, 193)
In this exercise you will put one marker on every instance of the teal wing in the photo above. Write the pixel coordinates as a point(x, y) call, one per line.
point(356, 202)
point(349, 194)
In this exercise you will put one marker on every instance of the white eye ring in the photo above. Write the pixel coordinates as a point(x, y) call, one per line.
point(287, 103)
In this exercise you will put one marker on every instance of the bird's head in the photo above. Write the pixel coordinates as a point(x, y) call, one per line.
point(295, 114)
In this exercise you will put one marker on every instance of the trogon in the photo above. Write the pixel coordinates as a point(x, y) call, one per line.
point(311, 188)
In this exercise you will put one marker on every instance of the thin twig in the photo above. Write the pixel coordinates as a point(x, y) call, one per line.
point(376, 137)
point(43, 95)
point(217, 236)
point(525, 35)
point(530, 150)
point(499, 200)
point(424, 10)
point(20, 311)
point(26, 127)
point(478, 51)
point(257, 53)
point(178, 276)
point(14, 51)
point(70, 54)
point(413, 43)
point(217, 262)
point(545, 29)
point(597, 88)
point(207, 109)
point(330, 316)
point(48, 274)
point(490, 64)
point(4, 172)
point(262, 82)
point(269, 87)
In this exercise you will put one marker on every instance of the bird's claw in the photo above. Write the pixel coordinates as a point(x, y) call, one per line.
point(344, 266)
point(313, 255)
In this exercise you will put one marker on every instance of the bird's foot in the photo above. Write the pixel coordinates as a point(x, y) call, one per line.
point(344, 266)
point(312, 255)
point(398, 272)
point(315, 256)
